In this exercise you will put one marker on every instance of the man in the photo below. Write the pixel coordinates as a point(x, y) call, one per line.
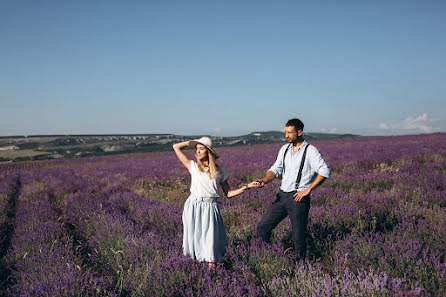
point(303, 169)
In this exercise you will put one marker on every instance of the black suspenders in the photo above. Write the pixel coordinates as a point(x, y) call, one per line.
point(299, 175)
point(284, 155)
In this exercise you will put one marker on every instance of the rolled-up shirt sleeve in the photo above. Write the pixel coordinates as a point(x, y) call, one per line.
point(318, 164)
point(277, 167)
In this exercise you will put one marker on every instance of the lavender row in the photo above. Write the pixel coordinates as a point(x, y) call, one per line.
point(411, 251)
point(136, 244)
point(41, 259)
point(331, 229)
point(8, 188)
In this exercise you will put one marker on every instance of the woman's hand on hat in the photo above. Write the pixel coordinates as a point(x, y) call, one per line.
point(180, 145)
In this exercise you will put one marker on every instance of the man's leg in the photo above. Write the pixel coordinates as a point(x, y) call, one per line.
point(273, 216)
point(298, 212)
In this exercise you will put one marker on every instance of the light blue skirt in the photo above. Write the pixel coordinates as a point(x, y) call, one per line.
point(204, 234)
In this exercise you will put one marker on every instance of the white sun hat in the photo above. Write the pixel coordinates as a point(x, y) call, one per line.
point(207, 142)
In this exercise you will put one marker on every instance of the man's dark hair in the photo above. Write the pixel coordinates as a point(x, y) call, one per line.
point(298, 125)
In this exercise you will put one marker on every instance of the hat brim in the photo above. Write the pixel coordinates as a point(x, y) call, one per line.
point(193, 143)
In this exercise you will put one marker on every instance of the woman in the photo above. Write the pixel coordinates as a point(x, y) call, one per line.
point(204, 236)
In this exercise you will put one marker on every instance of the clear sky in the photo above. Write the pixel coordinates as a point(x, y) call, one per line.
point(222, 67)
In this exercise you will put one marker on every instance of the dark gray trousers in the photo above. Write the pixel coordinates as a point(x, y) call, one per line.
point(298, 213)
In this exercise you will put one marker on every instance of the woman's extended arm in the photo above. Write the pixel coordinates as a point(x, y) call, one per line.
point(177, 147)
point(231, 193)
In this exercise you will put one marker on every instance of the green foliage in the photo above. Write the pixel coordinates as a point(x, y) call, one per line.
point(4, 198)
point(251, 176)
point(170, 191)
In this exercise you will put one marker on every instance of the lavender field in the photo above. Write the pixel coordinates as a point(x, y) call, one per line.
point(111, 225)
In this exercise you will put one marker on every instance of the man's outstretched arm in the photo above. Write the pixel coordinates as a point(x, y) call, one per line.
point(268, 177)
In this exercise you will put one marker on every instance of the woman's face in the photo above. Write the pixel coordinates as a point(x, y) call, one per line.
point(201, 152)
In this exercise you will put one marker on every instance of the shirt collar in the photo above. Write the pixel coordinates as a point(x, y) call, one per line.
point(304, 143)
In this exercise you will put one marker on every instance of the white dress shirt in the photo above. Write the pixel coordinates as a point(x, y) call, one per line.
point(314, 165)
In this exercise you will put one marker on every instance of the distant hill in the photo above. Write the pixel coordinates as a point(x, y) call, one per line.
point(280, 136)
point(38, 147)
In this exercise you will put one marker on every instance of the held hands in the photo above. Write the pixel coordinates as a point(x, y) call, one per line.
point(260, 182)
point(254, 184)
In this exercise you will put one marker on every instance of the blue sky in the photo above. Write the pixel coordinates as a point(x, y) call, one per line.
point(222, 67)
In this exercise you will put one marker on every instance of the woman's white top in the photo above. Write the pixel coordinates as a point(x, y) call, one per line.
point(202, 185)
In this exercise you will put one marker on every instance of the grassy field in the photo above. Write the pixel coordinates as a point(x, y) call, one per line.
point(13, 154)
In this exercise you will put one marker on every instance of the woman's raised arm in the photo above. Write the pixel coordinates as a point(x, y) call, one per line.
point(177, 147)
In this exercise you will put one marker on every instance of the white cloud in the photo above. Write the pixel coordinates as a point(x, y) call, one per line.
point(383, 126)
point(420, 123)
point(216, 131)
point(329, 130)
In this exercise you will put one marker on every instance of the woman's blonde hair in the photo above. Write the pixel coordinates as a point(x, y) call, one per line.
point(213, 168)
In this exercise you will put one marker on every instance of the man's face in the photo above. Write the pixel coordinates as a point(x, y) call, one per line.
point(291, 134)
